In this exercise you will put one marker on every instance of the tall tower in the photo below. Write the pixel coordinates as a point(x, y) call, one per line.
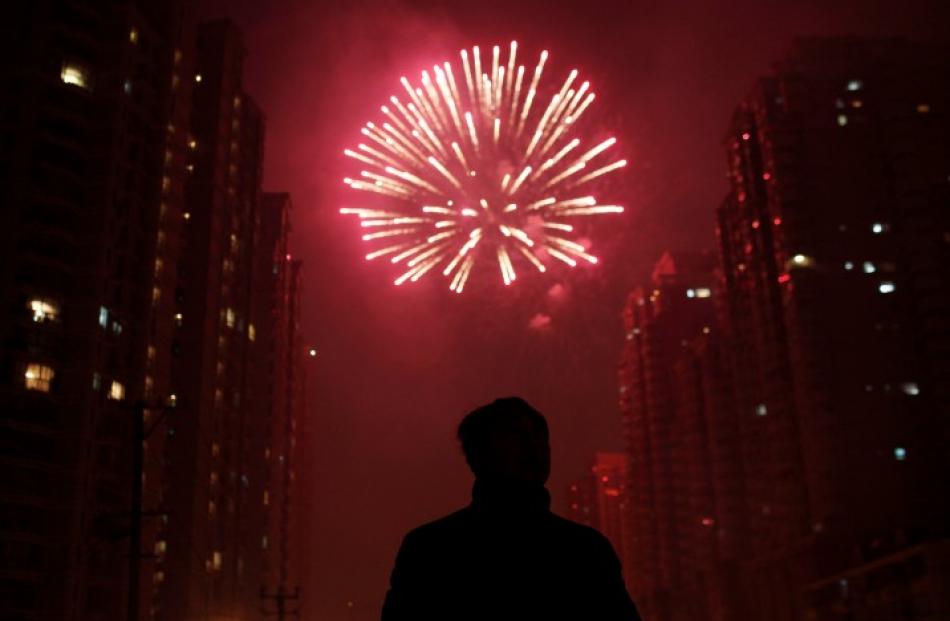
point(836, 269)
point(659, 318)
point(93, 122)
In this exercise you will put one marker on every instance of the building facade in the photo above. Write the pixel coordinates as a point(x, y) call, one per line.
point(91, 165)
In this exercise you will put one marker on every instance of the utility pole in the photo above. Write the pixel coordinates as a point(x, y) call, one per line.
point(139, 435)
point(281, 597)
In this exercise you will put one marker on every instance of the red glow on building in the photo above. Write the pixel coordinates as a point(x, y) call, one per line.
point(784, 278)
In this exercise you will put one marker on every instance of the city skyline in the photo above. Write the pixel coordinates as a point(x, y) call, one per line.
point(392, 370)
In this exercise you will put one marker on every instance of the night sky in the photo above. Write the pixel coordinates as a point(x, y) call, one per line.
point(398, 367)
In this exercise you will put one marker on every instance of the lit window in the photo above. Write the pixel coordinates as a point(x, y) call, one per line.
point(251, 332)
point(703, 292)
point(186, 215)
point(857, 103)
point(178, 319)
point(264, 542)
point(746, 135)
point(75, 75)
point(878, 228)
point(707, 521)
point(192, 144)
point(103, 316)
point(910, 388)
point(38, 377)
point(150, 353)
point(215, 449)
point(133, 36)
point(197, 77)
point(849, 265)
point(761, 410)
point(172, 400)
point(855, 85)
point(212, 508)
point(43, 310)
point(869, 267)
point(127, 87)
point(886, 287)
point(923, 108)
point(149, 385)
point(156, 295)
point(842, 120)
point(116, 328)
point(229, 317)
point(691, 293)
point(158, 577)
point(161, 547)
point(900, 453)
point(116, 391)
point(801, 260)
point(216, 560)
point(312, 352)
point(96, 381)
point(266, 499)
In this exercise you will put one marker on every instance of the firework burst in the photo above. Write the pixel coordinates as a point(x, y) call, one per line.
point(475, 166)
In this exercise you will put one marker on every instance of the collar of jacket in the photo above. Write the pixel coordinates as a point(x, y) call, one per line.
point(512, 497)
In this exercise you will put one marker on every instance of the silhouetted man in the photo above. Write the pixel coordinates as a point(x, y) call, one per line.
point(506, 556)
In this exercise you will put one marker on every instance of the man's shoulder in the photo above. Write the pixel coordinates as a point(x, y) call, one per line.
point(441, 527)
point(576, 530)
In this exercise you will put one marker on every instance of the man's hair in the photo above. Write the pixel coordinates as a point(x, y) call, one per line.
point(484, 422)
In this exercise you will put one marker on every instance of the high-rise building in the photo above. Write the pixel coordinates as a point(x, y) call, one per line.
point(660, 318)
point(599, 499)
point(836, 265)
point(92, 136)
point(788, 461)
point(208, 468)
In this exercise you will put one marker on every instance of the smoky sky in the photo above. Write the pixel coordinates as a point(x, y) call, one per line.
point(398, 367)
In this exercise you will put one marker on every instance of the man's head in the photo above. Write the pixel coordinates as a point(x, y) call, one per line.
point(506, 440)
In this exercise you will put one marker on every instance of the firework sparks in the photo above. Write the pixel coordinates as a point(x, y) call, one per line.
point(480, 168)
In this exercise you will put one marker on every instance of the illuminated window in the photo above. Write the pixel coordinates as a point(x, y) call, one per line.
point(869, 267)
point(38, 377)
point(878, 227)
point(910, 388)
point(857, 103)
point(158, 577)
point(103, 316)
point(166, 184)
point(127, 87)
point(251, 332)
point(172, 400)
point(43, 310)
point(192, 144)
point(923, 108)
point(150, 353)
point(213, 480)
point(216, 560)
point(266, 499)
point(703, 292)
point(229, 317)
point(133, 36)
point(75, 75)
point(212, 508)
point(842, 120)
point(849, 265)
point(178, 319)
point(264, 542)
point(197, 77)
point(886, 287)
point(761, 410)
point(855, 85)
point(149, 385)
point(186, 215)
point(116, 391)
point(215, 449)
point(96, 381)
point(801, 260)
point(159, 264)
point(900, 453)
point(161, 547)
